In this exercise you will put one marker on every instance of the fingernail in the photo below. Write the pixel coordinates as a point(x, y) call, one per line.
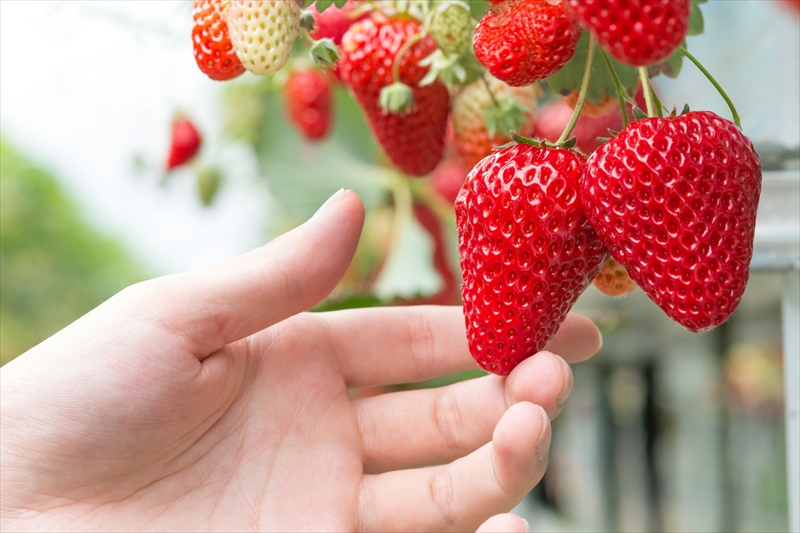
point(527, 526)
point(565, 392)
point(330, 201)
point(543, 442)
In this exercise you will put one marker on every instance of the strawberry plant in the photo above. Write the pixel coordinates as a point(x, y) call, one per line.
point(520, 140)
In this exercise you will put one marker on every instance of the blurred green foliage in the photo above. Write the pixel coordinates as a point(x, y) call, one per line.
point(53, 266)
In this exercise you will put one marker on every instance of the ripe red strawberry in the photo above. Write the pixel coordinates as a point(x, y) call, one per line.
point(334, 22)
point(184, 144)
point(636, 32)
point(213, 49)
point(414, 141)
point(472, 140)
point(527, 251)
point(308, 102)
point(614, 280)
point(522, 41)
point(675, 201)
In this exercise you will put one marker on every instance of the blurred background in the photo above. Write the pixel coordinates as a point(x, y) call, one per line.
point(666, 430)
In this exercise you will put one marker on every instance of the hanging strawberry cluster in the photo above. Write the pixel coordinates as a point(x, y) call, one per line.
point(663, 200)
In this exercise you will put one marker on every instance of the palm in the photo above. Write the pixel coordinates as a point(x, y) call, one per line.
point(223, 414)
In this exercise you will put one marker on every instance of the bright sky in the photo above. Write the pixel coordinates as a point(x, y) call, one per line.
point(85, 86)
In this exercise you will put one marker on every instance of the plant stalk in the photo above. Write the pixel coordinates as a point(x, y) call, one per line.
point(587, 76)
point(648, 91)
point(719, 88)
point(618, 85)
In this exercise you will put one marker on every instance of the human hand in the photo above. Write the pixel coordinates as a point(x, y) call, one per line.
point(204, 401)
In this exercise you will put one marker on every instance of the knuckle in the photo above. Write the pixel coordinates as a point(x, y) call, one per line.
point(449, 422)
point(442, 495)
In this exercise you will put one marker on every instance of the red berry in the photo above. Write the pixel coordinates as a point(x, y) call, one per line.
point(675, 201)
point(213, 49)
point(636, 32)
point(414, 141)
point(333, 23)
point(308, 102)
point(527, 251)
point(184, 144)
point(523, 41)
point(448, 178)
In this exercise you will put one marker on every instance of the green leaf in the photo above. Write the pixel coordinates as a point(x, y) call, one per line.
point(638, 114)
point(478, 8)
point(302, 176)
point(507, 116)
point(409, 270)
point(569, 78)
point(696, 24)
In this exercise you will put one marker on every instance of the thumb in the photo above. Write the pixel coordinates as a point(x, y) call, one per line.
point(217, 305)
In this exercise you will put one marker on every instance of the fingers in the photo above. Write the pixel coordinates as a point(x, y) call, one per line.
point(410, 344)
point(434, 426)
point(504, 523)
point(218, 305)
point(462, 495)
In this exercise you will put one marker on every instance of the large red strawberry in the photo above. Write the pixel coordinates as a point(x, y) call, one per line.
point(636, 32)
point(308, 102)
point(414, 141)
point(523, 41)
point(213, 49)
point(527, 251)
point(184, 143)
point(675, 200)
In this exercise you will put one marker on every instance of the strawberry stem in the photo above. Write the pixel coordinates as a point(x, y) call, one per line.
point(489, 90)
point(400, 53)
point(648, 91)
point(587, 75)
point(618, 85)
point(719, 88)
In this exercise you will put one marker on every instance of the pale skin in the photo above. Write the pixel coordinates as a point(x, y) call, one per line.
point(211, 401)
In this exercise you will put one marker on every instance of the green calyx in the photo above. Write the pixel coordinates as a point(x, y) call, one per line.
point(325, 53)
point(506, 115)
point(397, 98)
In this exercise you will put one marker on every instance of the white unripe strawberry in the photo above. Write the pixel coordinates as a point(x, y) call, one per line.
point(263, 32)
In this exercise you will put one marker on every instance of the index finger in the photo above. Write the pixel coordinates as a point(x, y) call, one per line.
point(386, 346)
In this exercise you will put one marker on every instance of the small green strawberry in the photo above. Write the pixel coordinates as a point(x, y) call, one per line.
point(263, 32)
point(451, 27)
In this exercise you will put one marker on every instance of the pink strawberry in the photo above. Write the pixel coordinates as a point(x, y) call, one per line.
point(473, 141)
point(527, 251)
point(636, 32)
point(675, 201)
point(448, 178)
point(523, 41)
point(555, 115)
point(184, 143)
point(414, 141)
point(308, 102)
